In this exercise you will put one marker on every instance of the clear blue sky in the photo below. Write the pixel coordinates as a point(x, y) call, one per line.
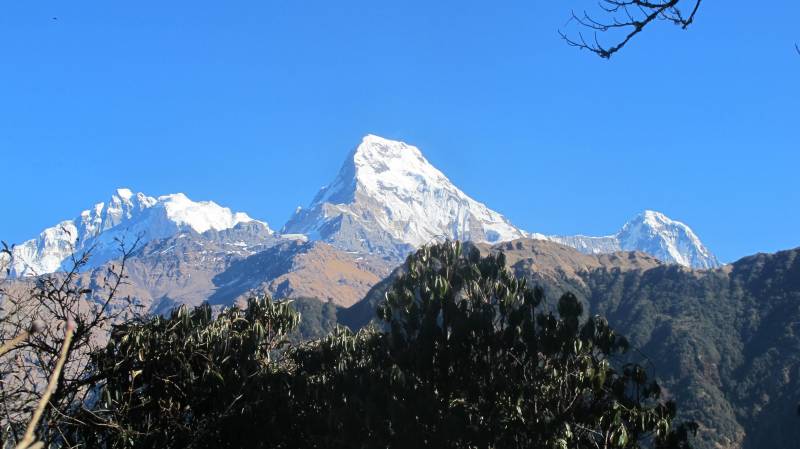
point(254, 104)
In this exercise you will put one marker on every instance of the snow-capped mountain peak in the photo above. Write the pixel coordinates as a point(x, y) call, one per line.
point(388, 198)
point(668, 239)
point(651, 232)
point(126, 216)
point(383, 166)
point(200, 216)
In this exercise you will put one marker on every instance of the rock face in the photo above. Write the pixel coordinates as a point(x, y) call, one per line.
point(226, 267)
point(388, 199)
point(125, 217)
point(301, 269)
point(180, 269)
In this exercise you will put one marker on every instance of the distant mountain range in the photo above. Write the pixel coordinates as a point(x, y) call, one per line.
point(386, 201)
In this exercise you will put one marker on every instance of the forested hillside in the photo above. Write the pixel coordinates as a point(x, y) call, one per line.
point(725, 343)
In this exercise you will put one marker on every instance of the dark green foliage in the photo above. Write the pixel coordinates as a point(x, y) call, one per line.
point(362, 313)
point(186, 380)
point(318, 319)
point(724, 343)
point(469, 362)
point(469, 359)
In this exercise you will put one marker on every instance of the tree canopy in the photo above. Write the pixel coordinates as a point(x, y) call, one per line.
point(467, 357)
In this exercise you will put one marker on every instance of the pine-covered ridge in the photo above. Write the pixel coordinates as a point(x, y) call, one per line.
point(715, 338)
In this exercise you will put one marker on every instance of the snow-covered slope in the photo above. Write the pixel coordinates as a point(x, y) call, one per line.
point(650, 232)
point(389, 199)
point(126, 216)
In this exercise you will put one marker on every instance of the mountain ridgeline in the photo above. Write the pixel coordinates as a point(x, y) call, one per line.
point(386, 201)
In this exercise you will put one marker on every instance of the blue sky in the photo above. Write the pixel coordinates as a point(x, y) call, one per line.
point(254, 104)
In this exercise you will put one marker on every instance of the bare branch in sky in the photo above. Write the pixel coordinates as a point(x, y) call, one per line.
point(628, 18)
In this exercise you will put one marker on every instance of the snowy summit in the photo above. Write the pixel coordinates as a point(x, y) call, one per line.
point(388, 198)
point(650, 232)
point(126, 216)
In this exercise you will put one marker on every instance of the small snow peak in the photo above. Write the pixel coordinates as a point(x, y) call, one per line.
point(376, 149)
point(124, 193)
point(372, 138)
point(176, 197)
point(655, 215)
point(145, 201)
point(669, 240)
point(650, 219)
point(655, 219)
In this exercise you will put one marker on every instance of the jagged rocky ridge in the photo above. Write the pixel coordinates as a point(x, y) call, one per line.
point(124, 218)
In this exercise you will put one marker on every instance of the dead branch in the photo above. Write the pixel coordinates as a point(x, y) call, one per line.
point(89, 301)
point(625, 19)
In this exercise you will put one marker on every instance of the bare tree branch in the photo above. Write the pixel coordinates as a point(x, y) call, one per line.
point(75, 296)
point(625, 19)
